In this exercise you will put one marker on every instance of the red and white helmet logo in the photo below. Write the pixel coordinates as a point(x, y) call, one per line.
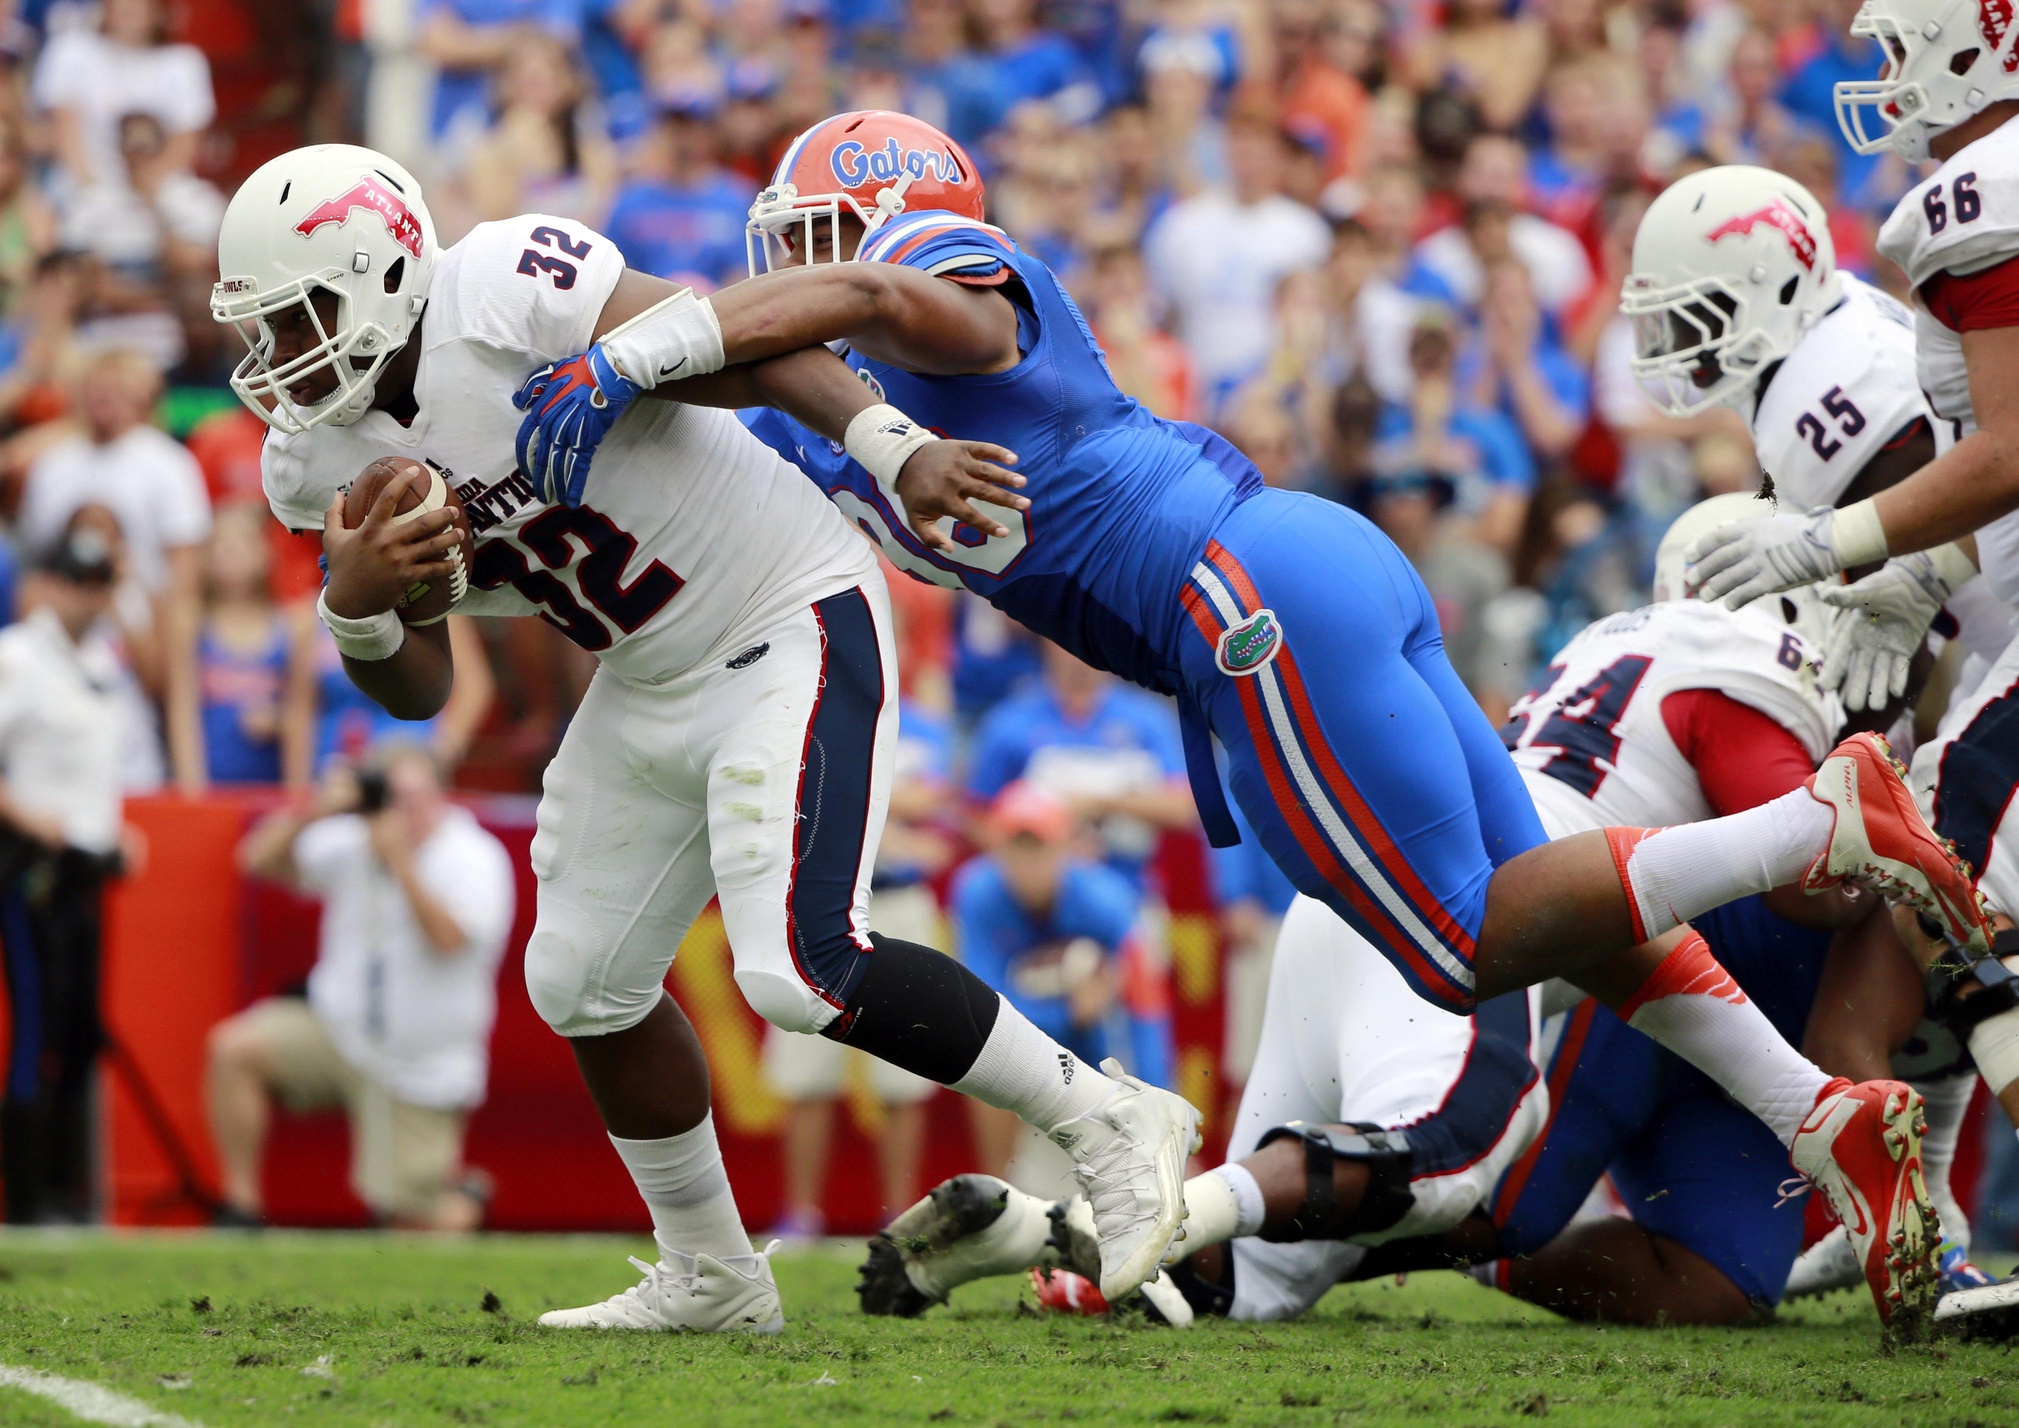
point(373, 197)
point(1778, 215)
point(1994, 18)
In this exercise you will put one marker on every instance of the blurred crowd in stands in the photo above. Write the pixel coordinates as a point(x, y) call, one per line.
point(1376, 243)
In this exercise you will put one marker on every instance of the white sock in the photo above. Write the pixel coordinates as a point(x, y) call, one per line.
point(685, 1187)
point(1691, 1005)
point(1021, 1069)
point(1678, 873)
point(1223, 1204)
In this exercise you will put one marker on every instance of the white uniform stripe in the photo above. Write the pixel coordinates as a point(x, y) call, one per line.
point(89, 1401)
point(784, 170)
point(1312, 787)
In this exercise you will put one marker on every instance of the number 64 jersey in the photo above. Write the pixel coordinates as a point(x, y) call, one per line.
point(1590, 738)
point(693, 534)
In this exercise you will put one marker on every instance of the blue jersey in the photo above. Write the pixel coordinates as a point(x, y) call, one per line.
point(1007, 946)
point(1122, 502)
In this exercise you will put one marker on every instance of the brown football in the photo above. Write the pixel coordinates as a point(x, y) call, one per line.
point(425, 603)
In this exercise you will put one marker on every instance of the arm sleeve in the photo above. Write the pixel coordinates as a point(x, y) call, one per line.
point(1742, 757)
point(1979, 302)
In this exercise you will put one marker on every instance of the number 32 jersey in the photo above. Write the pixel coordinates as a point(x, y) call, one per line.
point(1590, 738)
point(693, 537)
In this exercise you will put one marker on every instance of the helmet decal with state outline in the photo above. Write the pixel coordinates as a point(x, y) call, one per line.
point(1777, 214)
point(373, 197)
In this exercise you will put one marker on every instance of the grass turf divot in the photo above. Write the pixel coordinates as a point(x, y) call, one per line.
point(392, 1330)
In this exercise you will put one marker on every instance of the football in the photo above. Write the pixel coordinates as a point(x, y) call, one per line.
point(423, 604)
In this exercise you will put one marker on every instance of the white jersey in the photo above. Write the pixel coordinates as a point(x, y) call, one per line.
point(1847, 389)
point(1590, 739)
point(1963, 220)
point(692, 535)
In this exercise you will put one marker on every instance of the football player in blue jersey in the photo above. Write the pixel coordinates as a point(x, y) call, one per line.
point(1284, 625)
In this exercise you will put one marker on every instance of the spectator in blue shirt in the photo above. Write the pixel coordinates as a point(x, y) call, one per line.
point(1522, 367)
point(993, 657)
point(1055, 934)
point(1033, 63)
point(947, 84)
point(469, 39)
point(680, 216)
point(1110, 752)
point(1809, 93)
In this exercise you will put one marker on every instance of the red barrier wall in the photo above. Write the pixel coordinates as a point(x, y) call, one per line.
point(189, 942)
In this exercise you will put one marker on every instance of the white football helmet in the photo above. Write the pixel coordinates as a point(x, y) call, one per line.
point(1945, 60)
point(343, 219)
point(1730, 267)
point(1801, 609)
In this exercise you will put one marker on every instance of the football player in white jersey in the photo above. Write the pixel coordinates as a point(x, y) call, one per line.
point(1948, 93)
point(736, 741)
point(1673, 713)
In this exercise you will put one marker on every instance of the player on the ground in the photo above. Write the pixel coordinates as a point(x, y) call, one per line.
point(1288, 626)
point(1949, 92)
point(736, 741)
point(1675, 712)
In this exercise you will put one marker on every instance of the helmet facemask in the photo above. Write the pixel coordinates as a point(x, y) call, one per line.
point(1693, 345)
point(264, 387)
point(1933, 79)
point(779, 213)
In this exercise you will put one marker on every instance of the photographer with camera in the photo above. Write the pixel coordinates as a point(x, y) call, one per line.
point(417, 903)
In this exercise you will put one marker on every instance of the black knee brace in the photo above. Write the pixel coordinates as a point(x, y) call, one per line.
point(1953, 972)
point(1387, 1157)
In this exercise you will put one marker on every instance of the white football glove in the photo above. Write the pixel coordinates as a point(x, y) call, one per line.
point(1741, 561)
point(1883, 621)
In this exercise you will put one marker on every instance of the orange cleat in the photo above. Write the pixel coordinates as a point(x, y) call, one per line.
point(1861, 1147)
point(1881, 842)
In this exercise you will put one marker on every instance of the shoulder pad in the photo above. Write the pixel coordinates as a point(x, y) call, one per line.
point(940, 243)
point(1965, 218)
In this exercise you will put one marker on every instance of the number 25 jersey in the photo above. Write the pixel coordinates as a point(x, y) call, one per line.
point(1590, 739)
point(693, 536)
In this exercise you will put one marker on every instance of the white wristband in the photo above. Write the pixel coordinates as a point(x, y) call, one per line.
point(882, 439)
point(373, 638)
point(677, 337)
point(1954, 567)
point(1858, 535)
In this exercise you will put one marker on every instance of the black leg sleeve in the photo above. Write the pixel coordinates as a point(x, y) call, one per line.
point(918, 1009)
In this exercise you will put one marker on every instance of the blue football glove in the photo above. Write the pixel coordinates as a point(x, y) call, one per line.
point(570, 407)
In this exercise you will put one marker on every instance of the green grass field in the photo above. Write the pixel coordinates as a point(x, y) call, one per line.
point(397, 1330)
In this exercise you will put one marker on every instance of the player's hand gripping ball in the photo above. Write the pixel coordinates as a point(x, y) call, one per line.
point(429, 601)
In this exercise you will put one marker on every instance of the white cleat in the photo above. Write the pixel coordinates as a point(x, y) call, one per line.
point(970, 1227)
point(701, 1294)
point(1826, 1266)
point(1989, 1311)
point(1129, 1158)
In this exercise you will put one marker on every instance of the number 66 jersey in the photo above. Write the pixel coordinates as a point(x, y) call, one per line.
point(694, 535)
point(1623, 727)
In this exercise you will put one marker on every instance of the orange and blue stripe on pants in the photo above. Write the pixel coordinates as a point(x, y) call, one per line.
point(1364, 766)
